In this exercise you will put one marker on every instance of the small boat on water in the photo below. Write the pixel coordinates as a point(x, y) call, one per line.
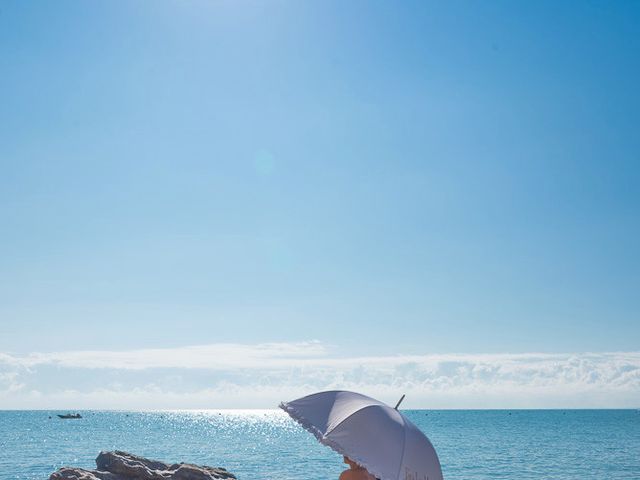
point(70, 415)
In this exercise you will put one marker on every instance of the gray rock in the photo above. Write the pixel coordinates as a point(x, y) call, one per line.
point(119, 465)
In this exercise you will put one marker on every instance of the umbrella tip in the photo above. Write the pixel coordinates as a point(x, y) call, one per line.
point(399, 402)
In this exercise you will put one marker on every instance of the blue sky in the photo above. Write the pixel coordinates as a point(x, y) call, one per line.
point(378, 179)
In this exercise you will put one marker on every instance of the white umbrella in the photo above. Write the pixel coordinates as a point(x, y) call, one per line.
point(369, 432)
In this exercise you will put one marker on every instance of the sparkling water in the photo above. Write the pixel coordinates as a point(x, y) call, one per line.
point(266, 444)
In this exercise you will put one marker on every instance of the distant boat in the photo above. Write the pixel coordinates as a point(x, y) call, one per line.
point(70, 415)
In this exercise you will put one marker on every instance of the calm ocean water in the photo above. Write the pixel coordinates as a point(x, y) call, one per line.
point(473, 445)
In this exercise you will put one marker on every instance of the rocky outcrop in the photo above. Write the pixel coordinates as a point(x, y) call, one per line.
point(125, 466)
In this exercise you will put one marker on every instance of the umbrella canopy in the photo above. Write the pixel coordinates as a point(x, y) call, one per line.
point(369, 432)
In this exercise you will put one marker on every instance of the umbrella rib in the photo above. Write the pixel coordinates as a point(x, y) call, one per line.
point(333, 427)
point(336, 447)
point(322, 438)
point(404, 443)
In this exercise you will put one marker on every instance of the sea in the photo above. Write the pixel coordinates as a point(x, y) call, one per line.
point(267, 445)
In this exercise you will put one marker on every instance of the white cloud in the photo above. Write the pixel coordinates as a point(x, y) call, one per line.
point(243, 376)
point(217, 356)
point(9, 382)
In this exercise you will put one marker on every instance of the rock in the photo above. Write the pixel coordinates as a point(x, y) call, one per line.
point(67, 473)
point(119, 465)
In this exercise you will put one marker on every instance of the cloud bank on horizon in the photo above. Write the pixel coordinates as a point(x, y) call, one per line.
point(260, 375)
